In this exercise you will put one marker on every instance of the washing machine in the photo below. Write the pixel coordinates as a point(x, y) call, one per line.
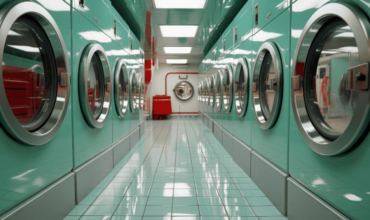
point(134, 94)
point(92, 88)
point(121, 108)
point(227, 82)
point(35, 108)
point(270, 90)
point(329, 151)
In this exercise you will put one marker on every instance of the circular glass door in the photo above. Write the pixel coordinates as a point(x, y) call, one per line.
point(212, 89)
point(267, 85)
point(218, 91)
point(142, 93)
point(121, 88)
point(35, 73)
point(202, 92)
point(205, 91)
point(330, 82)
point(138, 92)
point(241, 87)
point(133, 91)
point(227, 88)
point(184, 90)
point(95, 85)
point(199, 92)
point(208, 96)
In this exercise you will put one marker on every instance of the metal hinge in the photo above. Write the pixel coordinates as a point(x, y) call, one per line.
point(358, 77)
point(64, 79)
point(296, 82)
point(108, 87)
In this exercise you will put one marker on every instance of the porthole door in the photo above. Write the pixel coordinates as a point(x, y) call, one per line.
point(330, 81)
point(208, 95)
point(227, 88)
point(241, 87)
point(218, 87)
point(133, 91)
point(212, 90)
point(267, 85)
point(95, 85)
point(121, 93)
point(199, 92)
point(35, 73)
point(205, 92)
point(184, 90)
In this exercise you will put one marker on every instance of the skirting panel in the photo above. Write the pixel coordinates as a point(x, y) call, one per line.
point(304, 205)
point(227, 142)
point(142, 129)
point(134, 137)
point(54, 202)
point(271, 180)
point(121, 149)
point(217, 131)
point(210, 124)
point(242, 155)
point(89, 175)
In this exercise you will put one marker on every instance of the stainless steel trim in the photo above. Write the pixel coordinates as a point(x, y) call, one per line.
point(227, 96)
point(133, 91)
point(121, 109)
point(208, 95)
point(242, 64)
point(8, 15)
point(212, 90)
point(205, 91)
point(359, 24)
point(218, 87)
point(89, 52)
point(267, 47)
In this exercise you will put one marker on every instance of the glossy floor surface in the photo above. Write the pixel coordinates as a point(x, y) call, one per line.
point(177, 170)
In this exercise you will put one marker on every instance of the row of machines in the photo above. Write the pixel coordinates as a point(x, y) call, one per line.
point(290, 80)
point(71, 87)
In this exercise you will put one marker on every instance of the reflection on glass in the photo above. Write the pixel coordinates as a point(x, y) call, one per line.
point(29, 73)
point(123, 90)
point(184, 90)
point(240, 89)
point(328, 100)
point(95, 86)
point(268, 85)
point(227, 88)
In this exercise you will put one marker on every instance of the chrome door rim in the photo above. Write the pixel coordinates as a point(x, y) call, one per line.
point(213, 90)
point(121, 112)
point(267, 47)
point(242, 63)
point(9, 14)
point(89, 52)
point(199, 91)
point(208, 100)
point(133, 99)
point(227, 106)
point(359, 24)
point(205, 91)
point(219, 99)
point(192, 88)
point(138, 91)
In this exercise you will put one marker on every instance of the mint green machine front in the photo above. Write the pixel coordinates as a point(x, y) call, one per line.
point(243, 60)
point(270, 90)
point(329, 142)
point(35, 137)
point(227, 63)
point(91, 89)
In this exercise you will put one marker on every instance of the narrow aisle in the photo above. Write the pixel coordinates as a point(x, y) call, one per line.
point(177, 171)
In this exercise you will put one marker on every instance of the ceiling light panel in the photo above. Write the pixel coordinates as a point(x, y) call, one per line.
point(184, 4)
point(176, 61)
point(178, 30)
point(177, 50)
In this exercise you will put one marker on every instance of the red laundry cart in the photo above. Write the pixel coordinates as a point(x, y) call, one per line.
point(161, 107)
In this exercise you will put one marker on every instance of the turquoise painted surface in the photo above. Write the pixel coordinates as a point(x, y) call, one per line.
point(228, 116)
point(243, 125)
point(97, 12)
point(123, 30)
point(87, 141)
point(343, 181)
point(121, 126)
point(273, 143)
point(244, 23)
point(25, 170)
point(267, 12)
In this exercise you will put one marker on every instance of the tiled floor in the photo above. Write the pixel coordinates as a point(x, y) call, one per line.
point(177, 171)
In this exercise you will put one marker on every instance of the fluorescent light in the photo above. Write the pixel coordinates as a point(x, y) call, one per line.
point(177, 61)
point(178, 30)
point(190, 4)
point(177, 50)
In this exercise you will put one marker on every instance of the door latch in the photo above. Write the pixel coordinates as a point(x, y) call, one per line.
point(358, 77)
